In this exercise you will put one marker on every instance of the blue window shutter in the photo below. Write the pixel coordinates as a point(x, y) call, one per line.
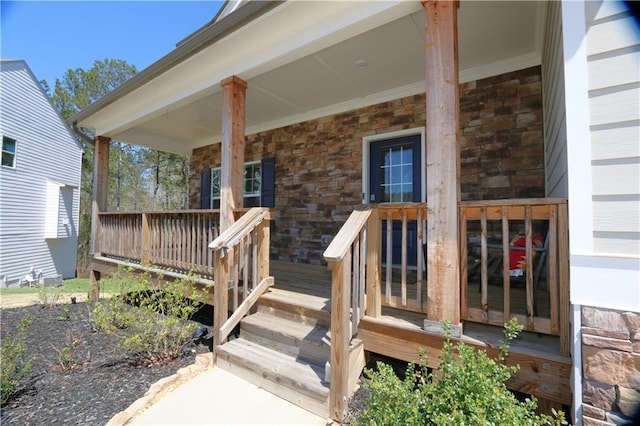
point(205, 189)
point(268, 191)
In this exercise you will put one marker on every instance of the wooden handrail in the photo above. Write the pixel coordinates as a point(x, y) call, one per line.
point(240, 229)
point(241, 254)
point(338, 248)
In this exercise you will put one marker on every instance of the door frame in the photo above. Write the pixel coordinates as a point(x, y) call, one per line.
point(366, 153)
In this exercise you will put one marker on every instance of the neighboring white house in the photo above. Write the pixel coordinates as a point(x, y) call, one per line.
point(39, 182)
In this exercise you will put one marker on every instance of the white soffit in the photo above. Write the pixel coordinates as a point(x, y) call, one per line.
point(329, 57)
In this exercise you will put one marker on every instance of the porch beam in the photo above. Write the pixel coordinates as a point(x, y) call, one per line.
point(442, 160)
point(98, 203)
point(233, 128)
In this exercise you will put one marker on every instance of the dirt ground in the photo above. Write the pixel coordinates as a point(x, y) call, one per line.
point(19, 300)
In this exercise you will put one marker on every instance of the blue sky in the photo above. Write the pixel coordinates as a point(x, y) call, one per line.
point(54, 36)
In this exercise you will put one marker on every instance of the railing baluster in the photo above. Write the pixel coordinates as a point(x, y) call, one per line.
point(361, 284)
point(419, 259)
point(528, 226)
point(484, 283)
point(355, 293)
point(506, 279)
point(389, 256)
point(552, 271)
point(403, 261)
point(464, 261)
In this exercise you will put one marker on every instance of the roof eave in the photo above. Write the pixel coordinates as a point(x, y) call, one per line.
point(206, 37)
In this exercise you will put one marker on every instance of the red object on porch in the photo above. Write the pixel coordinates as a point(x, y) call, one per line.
point(517, 258)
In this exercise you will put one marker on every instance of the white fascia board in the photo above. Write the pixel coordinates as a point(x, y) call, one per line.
point(605, 281)
point(286, 33)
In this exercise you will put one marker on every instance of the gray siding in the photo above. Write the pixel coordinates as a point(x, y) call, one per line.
point(555, 131)
point(613, 48)
point(46, 151)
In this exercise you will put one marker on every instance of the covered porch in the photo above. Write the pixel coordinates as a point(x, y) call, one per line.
point(403, 255)
point(383, 304)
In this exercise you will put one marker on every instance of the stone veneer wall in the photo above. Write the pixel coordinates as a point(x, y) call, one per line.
point(610, 366)
point(319, 162)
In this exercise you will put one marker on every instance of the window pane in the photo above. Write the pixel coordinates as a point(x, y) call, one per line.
point(7, 159)
point(215, 183)
point(8, 152)
point(8, 145)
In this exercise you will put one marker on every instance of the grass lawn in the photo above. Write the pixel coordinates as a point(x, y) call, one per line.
point(75, 285)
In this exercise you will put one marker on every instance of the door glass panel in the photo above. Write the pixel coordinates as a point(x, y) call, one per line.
point(396, 174)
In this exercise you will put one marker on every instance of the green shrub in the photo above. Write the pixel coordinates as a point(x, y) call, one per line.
point(14, 361)
point(150, 322)
point(469, 389)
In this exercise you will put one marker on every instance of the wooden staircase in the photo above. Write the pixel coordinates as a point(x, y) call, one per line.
point(284, 347)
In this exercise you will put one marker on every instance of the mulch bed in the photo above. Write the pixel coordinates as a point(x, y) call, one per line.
point(90, 394)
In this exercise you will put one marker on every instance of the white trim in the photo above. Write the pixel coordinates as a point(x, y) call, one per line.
point(576, 75)
point(366, 143)
point(605, 282)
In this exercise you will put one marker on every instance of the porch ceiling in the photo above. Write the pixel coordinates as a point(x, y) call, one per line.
point(359, 58)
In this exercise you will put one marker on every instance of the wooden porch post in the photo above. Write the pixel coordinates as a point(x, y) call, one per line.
point(442, 160)
point(233, 122)
point(98, 204)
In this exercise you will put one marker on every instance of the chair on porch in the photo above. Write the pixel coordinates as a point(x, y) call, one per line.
point(517, 260)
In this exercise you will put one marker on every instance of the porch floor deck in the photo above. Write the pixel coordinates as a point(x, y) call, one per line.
point(314, 280)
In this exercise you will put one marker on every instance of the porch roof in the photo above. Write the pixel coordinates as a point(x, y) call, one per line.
point(304, 60)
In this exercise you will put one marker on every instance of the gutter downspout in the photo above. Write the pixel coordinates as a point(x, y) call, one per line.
point(78, 132)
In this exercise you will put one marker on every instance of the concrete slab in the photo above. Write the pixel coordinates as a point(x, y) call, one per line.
point(217, 397)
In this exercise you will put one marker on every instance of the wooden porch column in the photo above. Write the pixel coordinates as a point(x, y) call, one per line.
point(233, 123)
point(98, 204)
point(442, 160)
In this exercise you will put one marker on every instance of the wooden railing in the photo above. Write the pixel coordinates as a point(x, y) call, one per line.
point(241, 256)
point(390, 280)
point(174, 240)
point(482, 222)
point(347, 257)
point(409, 221)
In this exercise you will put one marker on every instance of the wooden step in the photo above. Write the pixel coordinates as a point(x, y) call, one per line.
point(295, 306)
point(301, 383)
point(288, 335)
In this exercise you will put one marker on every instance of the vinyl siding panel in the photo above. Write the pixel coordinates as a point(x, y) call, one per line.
point(555, 132)
point(46, 151)
point(613, 47)
point(615, 141)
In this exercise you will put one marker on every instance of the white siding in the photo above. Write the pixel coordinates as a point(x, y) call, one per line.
point(614, 107)
point(46, 151)
point(555, 132)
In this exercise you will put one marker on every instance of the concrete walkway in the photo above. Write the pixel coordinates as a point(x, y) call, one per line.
point(217, 397)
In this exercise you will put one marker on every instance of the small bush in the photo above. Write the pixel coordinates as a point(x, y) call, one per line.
point(469, 389)
point(50, 297)
point(150, 323)
point(14, 361)
point(69, 357)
